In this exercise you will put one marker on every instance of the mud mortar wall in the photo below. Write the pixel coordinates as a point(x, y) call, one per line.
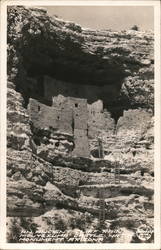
point(43, 116)
point(134, 122)
point(81, 143)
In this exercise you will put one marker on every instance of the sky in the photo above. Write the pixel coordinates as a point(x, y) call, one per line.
point(106, 17)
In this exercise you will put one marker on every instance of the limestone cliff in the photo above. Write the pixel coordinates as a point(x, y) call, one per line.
point(45, 181)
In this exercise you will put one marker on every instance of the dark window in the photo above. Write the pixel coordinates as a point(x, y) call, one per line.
point(76, 105)
point(58, 117)
point(38, 108)
point(134, 153)
point(73, 125)
point(142, 172)
point(57, 144)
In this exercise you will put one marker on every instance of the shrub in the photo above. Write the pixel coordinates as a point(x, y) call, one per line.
point(60, 224)
point(14, 231)
point(135, 27)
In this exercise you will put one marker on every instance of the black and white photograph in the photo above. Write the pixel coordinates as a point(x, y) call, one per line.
point(81, 115)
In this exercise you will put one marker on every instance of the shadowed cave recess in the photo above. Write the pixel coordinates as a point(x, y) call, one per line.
point(101, 60)
point(67, 56)
point(104, 84)
point(76, 69)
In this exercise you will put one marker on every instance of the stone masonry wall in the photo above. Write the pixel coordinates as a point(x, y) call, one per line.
point(71, 117)
point(97, 117)
point(80, 115)
point(81, 143)
point(44, 116)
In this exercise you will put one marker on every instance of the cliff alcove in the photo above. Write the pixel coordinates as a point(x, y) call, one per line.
point(71, 54)
point(68, 88)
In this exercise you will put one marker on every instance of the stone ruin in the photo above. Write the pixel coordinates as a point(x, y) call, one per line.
point(70, 115)
point(70, 109)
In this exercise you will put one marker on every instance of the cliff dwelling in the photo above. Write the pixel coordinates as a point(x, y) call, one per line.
point(80, 110)
point(57, 107)
point(80, 91)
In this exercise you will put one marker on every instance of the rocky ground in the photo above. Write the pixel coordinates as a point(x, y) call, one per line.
point(47, 188)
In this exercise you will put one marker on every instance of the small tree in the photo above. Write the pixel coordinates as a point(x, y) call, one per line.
point(135, 27)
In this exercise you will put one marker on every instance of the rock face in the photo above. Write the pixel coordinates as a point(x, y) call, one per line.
point(113, 71)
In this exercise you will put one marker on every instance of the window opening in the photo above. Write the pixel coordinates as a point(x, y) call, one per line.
point(134, 153)
point(57, 144)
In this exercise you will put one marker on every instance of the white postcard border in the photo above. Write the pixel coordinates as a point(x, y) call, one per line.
point(157, 182)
